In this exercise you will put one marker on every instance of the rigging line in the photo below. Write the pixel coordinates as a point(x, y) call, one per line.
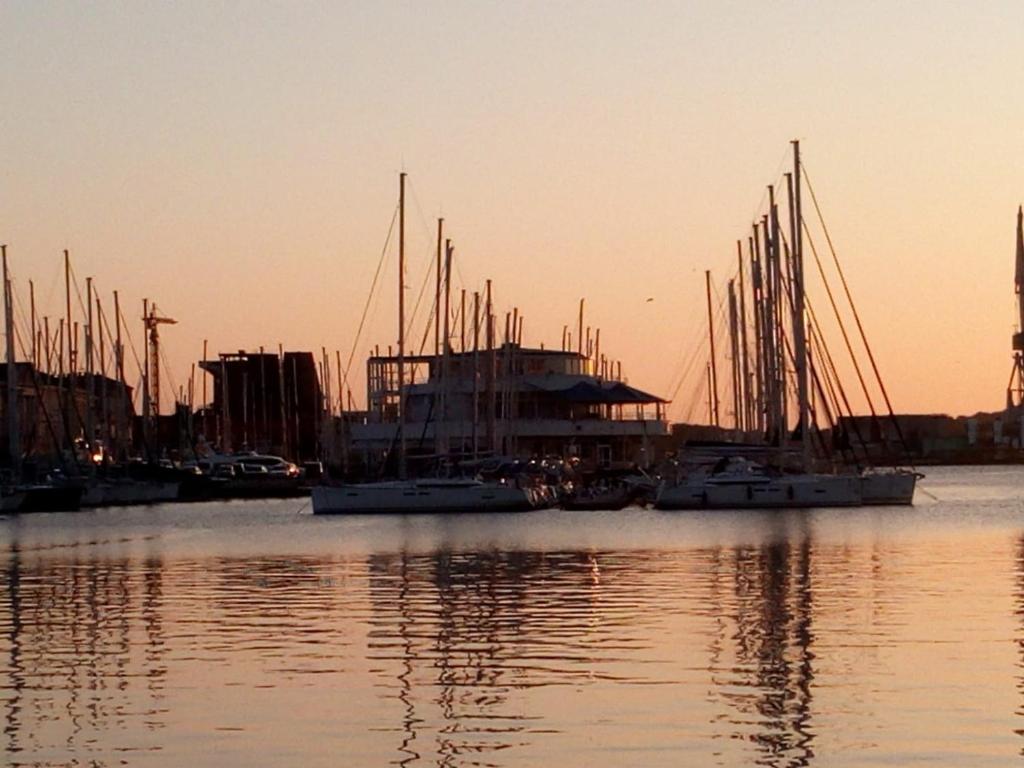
point(831, 403)
point(793, 390)
point(829, 369)
point(26, 325)
point(856, 314)
point(78, 293)
point(829, 398)
point(170, 378)
point(686, 362)
point(410, 189)
point(54, 282)
point(131, 346)
point(369, 297)
point(419, 298)
point(697, 398)
point(839, 319)
point(685, 375)
point(835, 383)
point(779, 171)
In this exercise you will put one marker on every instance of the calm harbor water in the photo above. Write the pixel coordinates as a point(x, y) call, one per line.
point(256, 634)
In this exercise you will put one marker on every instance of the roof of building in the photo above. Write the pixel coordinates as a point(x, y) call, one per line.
point(498, 351)
point(568, 387)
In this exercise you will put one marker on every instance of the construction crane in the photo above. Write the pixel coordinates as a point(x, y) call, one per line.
point(153, 321)
point(1015, 389)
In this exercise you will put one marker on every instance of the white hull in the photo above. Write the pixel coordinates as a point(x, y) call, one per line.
point(762, 492)
point(424, 496)
point(888, 488)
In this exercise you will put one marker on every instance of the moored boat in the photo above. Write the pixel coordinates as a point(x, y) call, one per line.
point(895, 488)
point(429, 495)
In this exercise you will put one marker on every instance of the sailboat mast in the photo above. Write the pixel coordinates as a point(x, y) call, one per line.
point(437, 292)
point(32, 321)
point(713, 382)
point(492, 438)
point(735, 351)
point(778, 315)
point(70, 348)
point(13, 439)
point(744, 357)
point(799, 339)
point(757, 296)
point(90, 426)
point(476, 371)
point(122, 404)
point(442, 421)
point(401, 326)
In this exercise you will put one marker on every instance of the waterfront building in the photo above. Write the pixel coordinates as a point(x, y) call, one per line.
point(508, 401)
point(265, 402)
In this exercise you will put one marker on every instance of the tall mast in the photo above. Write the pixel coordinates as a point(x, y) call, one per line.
point(770, 330)
point(71, 362)
point(713, 382)
point(437, 292)
point(799, 339)
point(492, 437)
point(446, 347)
point(735, 350)
point(462, 321)
point(122, 405)
point(90, 426)
point(401, 326)
point(476, 370)
point(104, 414)
point(756, 292)
point(579, 330)
point(32, 319)
point(779, 326)
point(146, 394)
point(13, 438)
point(744, 357)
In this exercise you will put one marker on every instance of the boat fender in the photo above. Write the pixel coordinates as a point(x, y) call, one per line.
point(750, 493)
point(704, 498)
point(789, 492)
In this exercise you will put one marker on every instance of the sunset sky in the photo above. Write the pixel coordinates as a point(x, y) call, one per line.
point(237, 163)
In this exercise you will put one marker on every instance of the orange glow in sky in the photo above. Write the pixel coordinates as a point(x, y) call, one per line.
point(237, 164)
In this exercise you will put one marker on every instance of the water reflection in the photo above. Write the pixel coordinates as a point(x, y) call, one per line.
point(761, 656)
point(759, 647)
point(72, 672)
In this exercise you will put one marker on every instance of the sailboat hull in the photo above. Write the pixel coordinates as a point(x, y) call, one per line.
point(796, 492)
point(888, 488)
point(413, 497)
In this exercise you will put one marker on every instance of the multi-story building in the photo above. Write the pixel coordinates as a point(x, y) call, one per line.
point(265, 402)
point(510, 401)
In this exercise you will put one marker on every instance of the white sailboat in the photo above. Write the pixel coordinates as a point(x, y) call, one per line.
point(739, 484)
point(428, 495)
point(744, 485)
point(406, 495)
